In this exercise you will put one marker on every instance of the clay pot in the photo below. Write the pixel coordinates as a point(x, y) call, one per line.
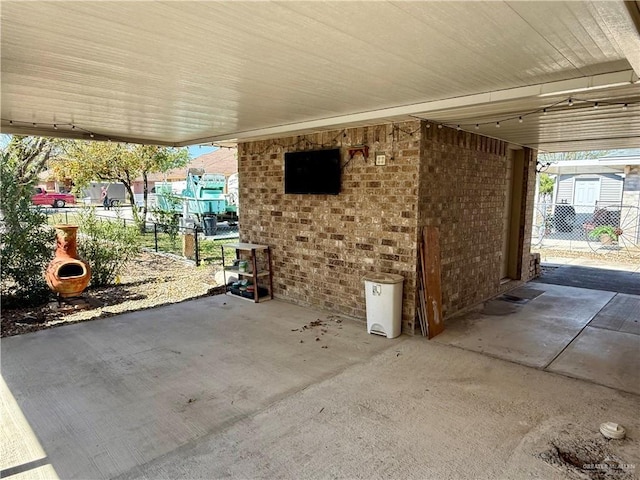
point(67, 274)
point(605, 239)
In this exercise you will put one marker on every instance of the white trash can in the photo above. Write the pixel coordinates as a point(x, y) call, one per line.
point(383, 296)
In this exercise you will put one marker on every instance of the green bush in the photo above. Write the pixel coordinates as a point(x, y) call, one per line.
point(27, 244)
point(106, 246)
point(597, 232)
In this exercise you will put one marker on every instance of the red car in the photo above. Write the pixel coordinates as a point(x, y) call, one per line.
point(58, 200)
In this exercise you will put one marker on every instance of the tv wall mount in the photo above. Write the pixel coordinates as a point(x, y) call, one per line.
point(353, 151)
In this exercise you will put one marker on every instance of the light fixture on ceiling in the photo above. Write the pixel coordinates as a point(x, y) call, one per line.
point(521, 116)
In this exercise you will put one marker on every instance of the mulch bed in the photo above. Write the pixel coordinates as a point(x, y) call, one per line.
point(148, 281)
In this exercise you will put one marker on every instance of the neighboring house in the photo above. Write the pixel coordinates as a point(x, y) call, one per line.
point(601, 181)
point(589, 189)
point(48, 179)
point(585, 190)
point(223, 160)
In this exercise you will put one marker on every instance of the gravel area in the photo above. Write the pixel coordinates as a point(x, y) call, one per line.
point(150, 280)
point(622, 256)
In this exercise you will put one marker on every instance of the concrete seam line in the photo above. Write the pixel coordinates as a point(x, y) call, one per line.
point(25, 467)
point(578, 334)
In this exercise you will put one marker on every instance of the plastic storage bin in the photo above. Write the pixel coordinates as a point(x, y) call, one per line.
point(383, 296)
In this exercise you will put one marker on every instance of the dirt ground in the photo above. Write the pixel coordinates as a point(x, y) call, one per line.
point(147, 281)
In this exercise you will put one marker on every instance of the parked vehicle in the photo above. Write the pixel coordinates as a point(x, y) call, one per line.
point(57, 200)
point(201, 196)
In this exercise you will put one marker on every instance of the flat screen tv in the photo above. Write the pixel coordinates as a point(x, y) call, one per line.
point(313, 172)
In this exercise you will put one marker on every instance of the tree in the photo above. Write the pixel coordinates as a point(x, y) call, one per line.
point(28, 156)
point(568, 156)
point(26, 244)
point(85, 162)
point(546, 183)
point(153, 158)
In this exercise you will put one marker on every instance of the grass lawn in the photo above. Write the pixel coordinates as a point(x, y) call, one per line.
point(210, 249)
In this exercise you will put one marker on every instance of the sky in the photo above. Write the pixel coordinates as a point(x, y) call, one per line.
point(194, 151)
point(197, 150)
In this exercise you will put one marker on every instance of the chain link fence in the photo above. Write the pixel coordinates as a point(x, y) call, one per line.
point(605, 229)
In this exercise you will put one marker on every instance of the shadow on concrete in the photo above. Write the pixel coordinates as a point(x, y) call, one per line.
point(591, 278)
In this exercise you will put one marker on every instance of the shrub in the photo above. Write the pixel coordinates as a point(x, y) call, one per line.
point(106, 245)
point(27, 243)
point(597, 232)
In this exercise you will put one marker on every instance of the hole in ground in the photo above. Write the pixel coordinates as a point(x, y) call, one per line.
point(587, 460)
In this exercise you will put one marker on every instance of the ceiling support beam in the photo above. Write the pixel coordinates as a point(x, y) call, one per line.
point(563, 87)
point(615, 17)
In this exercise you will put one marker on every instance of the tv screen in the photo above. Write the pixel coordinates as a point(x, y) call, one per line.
point(313, 171)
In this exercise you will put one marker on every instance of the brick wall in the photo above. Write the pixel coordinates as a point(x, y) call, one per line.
point(462, 191)
point(526, 216)
point(323, 244)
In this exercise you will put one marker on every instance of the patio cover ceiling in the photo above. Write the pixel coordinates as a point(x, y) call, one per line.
point(182, 73)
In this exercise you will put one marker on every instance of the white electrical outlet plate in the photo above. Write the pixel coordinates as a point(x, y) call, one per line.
point(381, 158)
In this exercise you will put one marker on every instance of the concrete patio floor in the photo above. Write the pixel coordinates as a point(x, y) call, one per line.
point(219, 387)
point(589, 334)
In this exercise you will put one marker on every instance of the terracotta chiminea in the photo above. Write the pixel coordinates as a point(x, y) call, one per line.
point(67, 274)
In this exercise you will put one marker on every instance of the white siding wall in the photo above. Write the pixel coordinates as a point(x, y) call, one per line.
point(610, 189)
point(565, 189)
